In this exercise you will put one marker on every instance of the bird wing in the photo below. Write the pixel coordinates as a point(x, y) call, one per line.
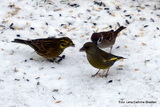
point(42, 45)
point(108, 56)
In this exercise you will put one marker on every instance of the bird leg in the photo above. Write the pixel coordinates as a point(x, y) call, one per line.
point(60, 58)
point(57, 61)
point(106, 73)
point(96, 73)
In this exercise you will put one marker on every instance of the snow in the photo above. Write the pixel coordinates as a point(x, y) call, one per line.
point(28, 80)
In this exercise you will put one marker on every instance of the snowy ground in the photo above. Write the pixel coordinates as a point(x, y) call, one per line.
point(28, 80)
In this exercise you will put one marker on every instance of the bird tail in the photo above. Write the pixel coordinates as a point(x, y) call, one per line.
point(119, 57)
point(119, 29)
point(20, 41)
point(115, 58)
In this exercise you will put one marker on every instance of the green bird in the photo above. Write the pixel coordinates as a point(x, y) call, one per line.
point(99, 58)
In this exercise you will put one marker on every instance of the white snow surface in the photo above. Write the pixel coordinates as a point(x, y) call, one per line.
point(133, 82)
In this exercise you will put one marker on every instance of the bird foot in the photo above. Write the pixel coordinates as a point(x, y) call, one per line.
point(60, 58)
point(95, 74)
point(105, 75)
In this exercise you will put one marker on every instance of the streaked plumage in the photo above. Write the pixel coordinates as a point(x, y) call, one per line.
point(49, 48)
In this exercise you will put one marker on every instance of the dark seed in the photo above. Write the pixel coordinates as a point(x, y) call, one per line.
point(27, 79)
point(37, 78)
point(60, 15)
point(118, 24)
point(31, 28)
point(117, 47)
point(46, 23)
point(94, 24)
point(110, 81)
point(69, 23)
point(127, 21)
point(89, 18)
point(119, 68)
point(110, 26)
point(106, 8)
point(125, 11)
point(157, 28)
point(38, 83)
point(31, 58)
point(152, 20)
point(17, 79)
point(55, 90)
point(146, 26)
point(11, 26)
point(18, 35)
point(118, 8)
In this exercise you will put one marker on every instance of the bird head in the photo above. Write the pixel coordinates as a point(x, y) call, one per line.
point(66, 42)
point(97, 38)
point(89, 48)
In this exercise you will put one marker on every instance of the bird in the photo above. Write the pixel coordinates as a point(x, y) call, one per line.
point(99, 58)
point(107, 38)
point(49, 48)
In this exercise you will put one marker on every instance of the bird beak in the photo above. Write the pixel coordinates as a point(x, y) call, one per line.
point(82, 49)
point(73, 45)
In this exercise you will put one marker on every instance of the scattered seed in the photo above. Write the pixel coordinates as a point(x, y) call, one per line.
point(58, 101)
point(127, 21)
point(118, 8)
point(118, 24)
point(119, 68)
point(37, 78)
point(146, 26)
point(117, 47)
point(152, 20)
point(53, 98)
point(73, 5)
point(94, 24)
point(136, 69)
point(125, 11)
point(142, 19)
point(157, 28)
point(110, 26)
point(31, 58)
point(106, 8)
point(17, 79)
point(31, 28)
point(38, 83)
point(89, 18)
point(11, 26)
point(144, 44)
point(110, 81)
point(18, 35)
point(55, 90)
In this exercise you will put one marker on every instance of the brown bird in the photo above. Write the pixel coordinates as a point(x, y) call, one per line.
point(49, 48)
point(106, 39)
point(99, 58)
